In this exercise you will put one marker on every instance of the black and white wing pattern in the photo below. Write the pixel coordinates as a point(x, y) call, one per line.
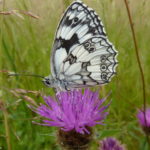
point(82, 54)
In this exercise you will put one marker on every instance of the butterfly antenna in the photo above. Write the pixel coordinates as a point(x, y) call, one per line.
point(20, 74)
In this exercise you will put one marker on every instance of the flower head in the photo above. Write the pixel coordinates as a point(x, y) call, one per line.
point(111, 144)
point(144, 119)
point(73, 110)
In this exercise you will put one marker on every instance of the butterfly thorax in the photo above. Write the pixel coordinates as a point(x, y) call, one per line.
point(56, 83)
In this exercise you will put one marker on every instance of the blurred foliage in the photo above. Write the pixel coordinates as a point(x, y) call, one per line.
point(25, 46)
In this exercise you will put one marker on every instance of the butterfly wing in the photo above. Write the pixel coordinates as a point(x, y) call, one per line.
point(78, 24)
point(90, 63)
point(82, 53)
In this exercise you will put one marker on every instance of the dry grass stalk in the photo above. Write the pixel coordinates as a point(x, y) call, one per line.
point(19, 13)
point(23, 94)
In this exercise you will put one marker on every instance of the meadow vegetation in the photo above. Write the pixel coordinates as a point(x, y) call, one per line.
point(25, 45)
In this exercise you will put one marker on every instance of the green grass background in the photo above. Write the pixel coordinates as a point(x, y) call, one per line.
point(25, 46)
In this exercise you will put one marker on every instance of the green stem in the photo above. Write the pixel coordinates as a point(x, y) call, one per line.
point(5, 113)
point(7, 130)
point(6, 124)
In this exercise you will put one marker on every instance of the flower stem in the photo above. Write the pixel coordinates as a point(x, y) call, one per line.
point(138, 58)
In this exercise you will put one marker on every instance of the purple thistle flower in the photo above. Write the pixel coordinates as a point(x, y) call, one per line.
point(144, 119)
point(73, 111)
point(111, 144)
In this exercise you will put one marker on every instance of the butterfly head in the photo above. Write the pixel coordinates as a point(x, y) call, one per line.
point(48, 81)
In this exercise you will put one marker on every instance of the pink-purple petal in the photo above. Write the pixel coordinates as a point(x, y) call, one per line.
point(73, 110)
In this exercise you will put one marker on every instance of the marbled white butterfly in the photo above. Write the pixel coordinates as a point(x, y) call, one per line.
point(82, 56)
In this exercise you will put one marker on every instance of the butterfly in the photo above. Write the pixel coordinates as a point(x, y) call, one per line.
point(82, 55)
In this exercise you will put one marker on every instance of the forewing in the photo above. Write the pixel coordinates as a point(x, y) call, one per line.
point(78, 24)
point(90, 63)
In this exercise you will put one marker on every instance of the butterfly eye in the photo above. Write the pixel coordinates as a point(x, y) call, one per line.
point(76, 20)
point(103, 58)
point(104, 76)
point(103, 67)
point(47, 82)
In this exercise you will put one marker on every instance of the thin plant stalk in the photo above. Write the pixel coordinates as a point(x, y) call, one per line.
point(7, 129)
point(6, 124)
point(5, 113)
point(138, 58)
